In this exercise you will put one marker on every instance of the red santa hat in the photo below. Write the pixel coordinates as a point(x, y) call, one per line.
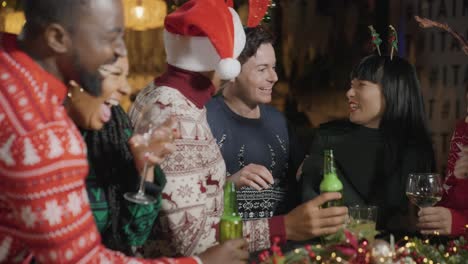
point(205, 35)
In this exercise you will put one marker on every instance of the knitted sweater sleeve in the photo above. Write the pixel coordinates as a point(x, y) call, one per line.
point(456, 195)
point(260, 234)
point(44, 205)
point(455, 199)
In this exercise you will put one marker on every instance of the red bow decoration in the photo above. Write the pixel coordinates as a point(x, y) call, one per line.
point(257, 10)
point(351, 246)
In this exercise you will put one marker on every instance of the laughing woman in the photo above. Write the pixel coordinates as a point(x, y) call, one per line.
point(384, 140)
point(113, 170)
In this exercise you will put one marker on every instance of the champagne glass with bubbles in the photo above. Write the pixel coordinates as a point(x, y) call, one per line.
point(152, 117)
point(424, 189)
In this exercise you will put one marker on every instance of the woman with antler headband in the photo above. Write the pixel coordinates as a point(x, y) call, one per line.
point(450, 215)
point(385, 139)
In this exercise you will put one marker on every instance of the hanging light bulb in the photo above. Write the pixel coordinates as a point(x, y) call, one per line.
point(144, 14)
point(14, 22)
point(139, 11)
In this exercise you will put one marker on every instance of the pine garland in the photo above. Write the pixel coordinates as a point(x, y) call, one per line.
point(345, 248)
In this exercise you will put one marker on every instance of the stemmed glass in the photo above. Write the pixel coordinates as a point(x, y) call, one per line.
point(424, 189)
point(152, 116)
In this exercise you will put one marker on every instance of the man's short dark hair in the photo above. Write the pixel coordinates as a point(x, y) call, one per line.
point(40, 13)
point(255, 37)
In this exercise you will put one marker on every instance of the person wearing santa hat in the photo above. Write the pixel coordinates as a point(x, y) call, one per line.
point(201, 37)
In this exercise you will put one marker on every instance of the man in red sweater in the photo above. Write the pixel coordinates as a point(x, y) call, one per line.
point(44, 211)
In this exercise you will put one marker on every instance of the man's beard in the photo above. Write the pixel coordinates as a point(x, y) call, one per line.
point(90, 82)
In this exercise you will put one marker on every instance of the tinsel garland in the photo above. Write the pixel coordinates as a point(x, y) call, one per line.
point(347, 249)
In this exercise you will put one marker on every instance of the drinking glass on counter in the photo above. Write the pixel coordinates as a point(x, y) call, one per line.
point(362, 221)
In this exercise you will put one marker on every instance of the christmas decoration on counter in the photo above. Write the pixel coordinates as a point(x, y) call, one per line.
point(350, 250)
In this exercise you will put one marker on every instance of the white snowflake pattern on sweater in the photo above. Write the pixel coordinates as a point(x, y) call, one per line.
point(187, 223)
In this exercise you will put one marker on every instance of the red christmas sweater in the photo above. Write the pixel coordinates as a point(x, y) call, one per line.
point(44, 209)
point(456, 190)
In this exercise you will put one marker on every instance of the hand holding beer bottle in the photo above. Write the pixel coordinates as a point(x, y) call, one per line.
point(231, 223)
point(330, 181)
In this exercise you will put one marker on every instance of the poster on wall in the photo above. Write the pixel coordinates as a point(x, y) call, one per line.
point(441, 65)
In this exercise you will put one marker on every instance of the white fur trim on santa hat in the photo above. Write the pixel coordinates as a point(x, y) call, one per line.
point(197, 54)
point(228, 69)
point(239, 34)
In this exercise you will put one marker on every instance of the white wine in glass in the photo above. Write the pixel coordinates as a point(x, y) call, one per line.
point(152, 116)
point(424, 189)
point(362, 221)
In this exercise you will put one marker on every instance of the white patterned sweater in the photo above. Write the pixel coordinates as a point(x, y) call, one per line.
point(193, 196)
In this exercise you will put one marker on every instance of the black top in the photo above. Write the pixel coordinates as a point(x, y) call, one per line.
point(265, 141)
point(363, 168)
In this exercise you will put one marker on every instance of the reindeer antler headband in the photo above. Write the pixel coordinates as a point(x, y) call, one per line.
point(258, 11)
point(427, 23)
point(376, 40)
point(392, 40)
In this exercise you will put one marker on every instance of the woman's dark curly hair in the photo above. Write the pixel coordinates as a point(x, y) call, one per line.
point(110, 157)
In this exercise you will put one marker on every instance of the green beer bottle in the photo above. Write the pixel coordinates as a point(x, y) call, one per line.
point(330, 181)
point(231, 223)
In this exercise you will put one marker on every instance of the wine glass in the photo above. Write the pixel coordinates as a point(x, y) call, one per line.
point(424, 189)
point(152, 116)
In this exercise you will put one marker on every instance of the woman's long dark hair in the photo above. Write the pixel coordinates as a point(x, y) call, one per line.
point(404, 130)
point(403, 122)
point(110, 157)
point(405, 134)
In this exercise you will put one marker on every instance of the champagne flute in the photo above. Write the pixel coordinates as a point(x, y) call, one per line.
point(152, 116)
point(424, 189)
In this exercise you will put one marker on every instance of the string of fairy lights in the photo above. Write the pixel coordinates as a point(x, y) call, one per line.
point(347, 249)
